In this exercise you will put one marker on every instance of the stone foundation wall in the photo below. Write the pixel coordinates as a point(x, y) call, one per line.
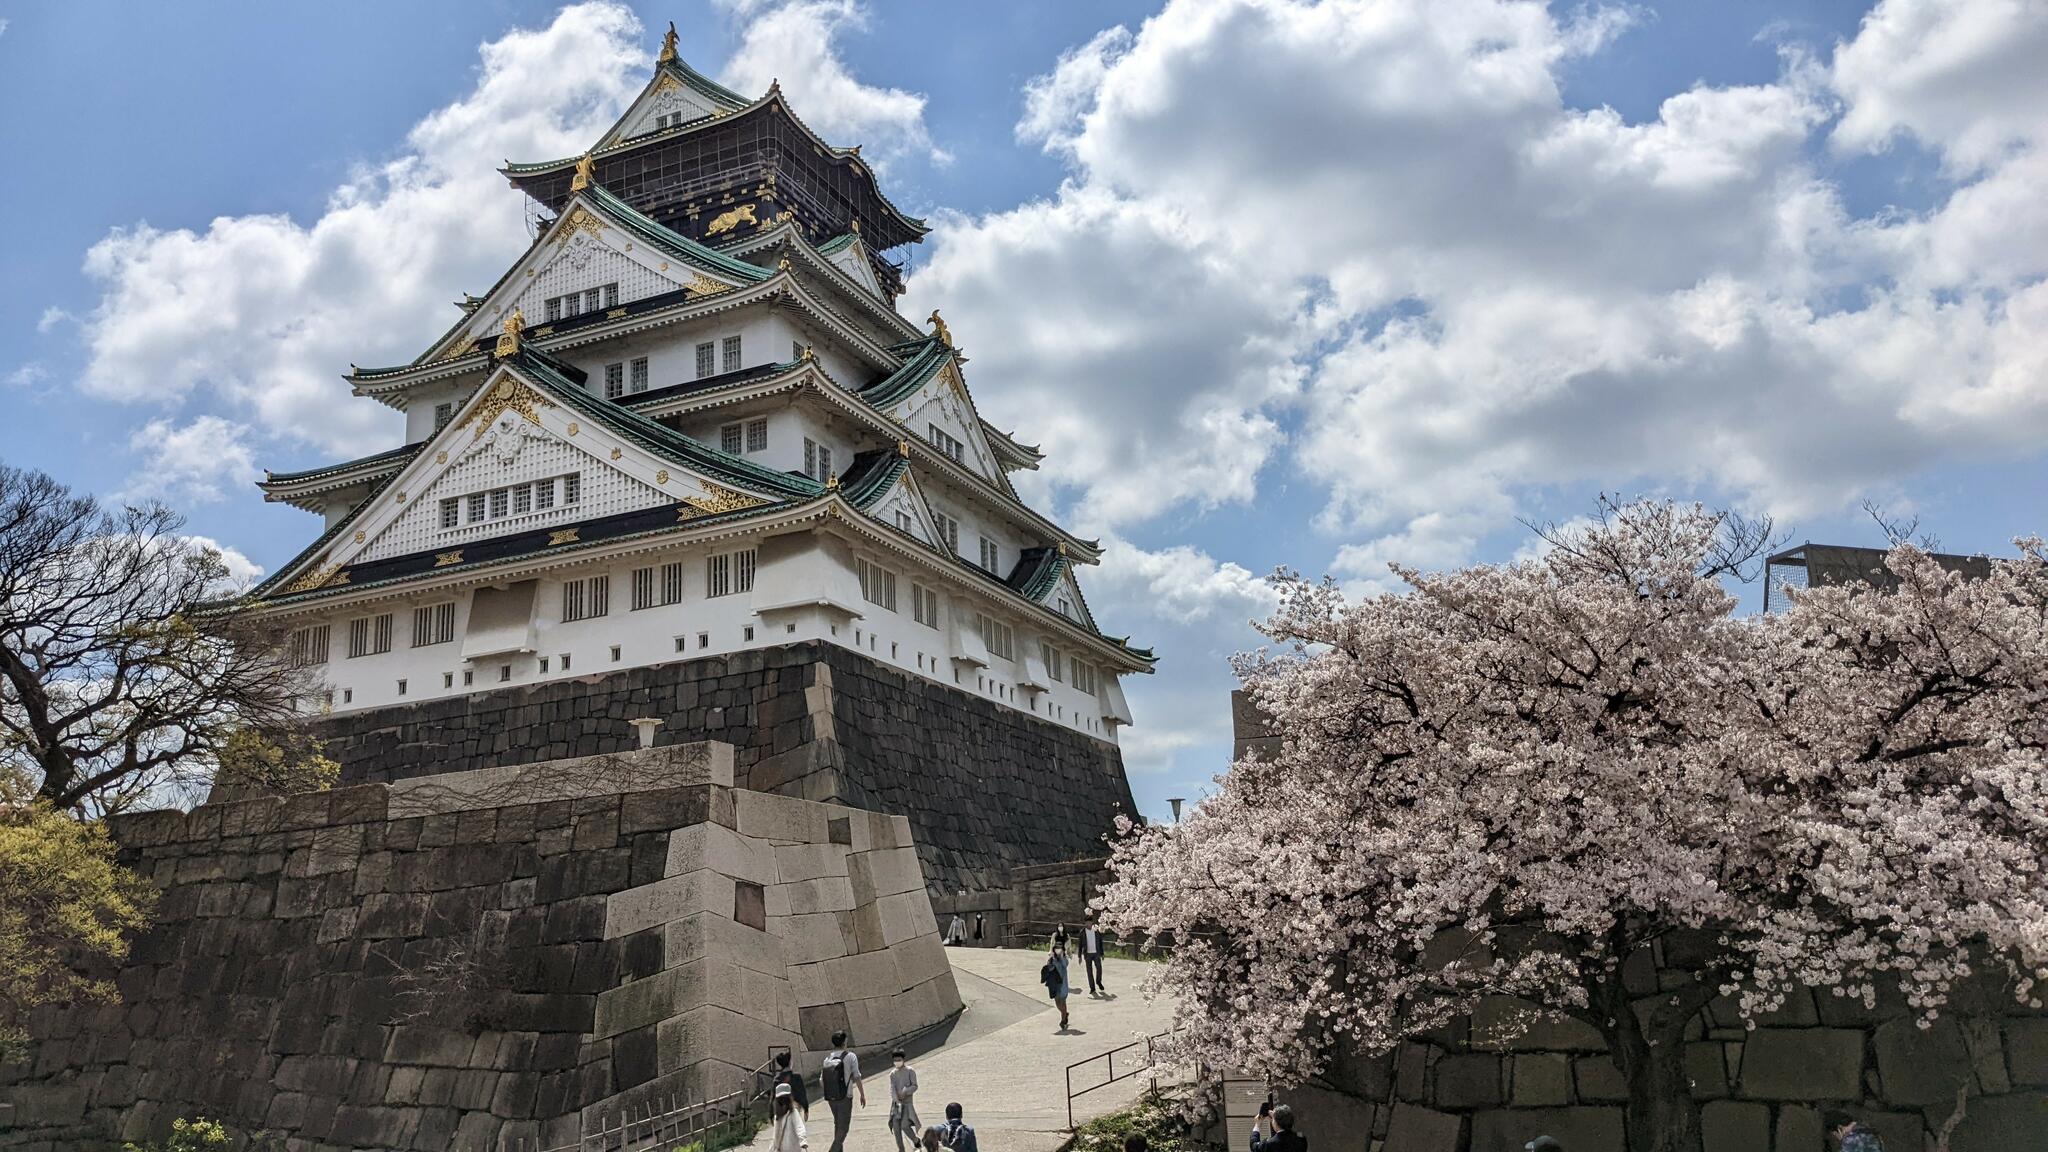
point(986, 788)
point(1475, 1087)
point(470, 960)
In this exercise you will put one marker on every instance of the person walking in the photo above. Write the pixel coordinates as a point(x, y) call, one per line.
point(959, 1137)
point(1059, 939)
point(933, 1140)
point(788, 1134)
point(1280, 1136)
point(1849, 1133)
point(839, 1081)
point(980, 921)
point(1091, 959)
point(956, 930)
point(784, 1075)
point(1054, 977)
point(902, 1099)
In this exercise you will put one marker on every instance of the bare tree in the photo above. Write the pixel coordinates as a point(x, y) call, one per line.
point(127, 659)
point(1901, 530)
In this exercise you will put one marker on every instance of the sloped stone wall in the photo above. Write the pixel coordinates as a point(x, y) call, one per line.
point(1479, 1087)
point(985, 787)
point(469, 960)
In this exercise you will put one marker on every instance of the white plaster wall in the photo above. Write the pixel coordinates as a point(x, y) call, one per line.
point(704, 626)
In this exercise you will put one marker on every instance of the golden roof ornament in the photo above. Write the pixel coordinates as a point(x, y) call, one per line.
point(940, 330)
point(832, 482)
point(508, 344)
point(903, 449)
point(668, 46)
point(586, 168)
point(807, 355)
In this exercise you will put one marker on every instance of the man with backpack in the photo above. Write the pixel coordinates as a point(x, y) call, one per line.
point(784, 1074)
point(840, 1078)
point(957, 1135)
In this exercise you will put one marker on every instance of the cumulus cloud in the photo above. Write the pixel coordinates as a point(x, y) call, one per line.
point(794, 42)
point(1179, 584)
point(262, 314)
point(194, 463)
point(242, 571)
point(1461, 287)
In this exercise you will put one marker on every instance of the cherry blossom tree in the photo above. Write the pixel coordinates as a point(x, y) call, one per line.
point(1506, 780)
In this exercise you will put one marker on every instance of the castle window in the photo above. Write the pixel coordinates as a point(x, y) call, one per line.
point(903, 519)
point(652, 587)
point(1051, 656)
point(643, 588)
point(817, 460)
point(369, 635)
point(451, 512)
point(639, 374)
point(757, 435)
point(544, 494)
point(572, 486)
point(729, 353)
point(729, 572)
point(401, 687)
point(796, 350)
point(924, 605)
point(565, 661)
point(501, 501)
point(611, 298)
point(944, 442)
point(877, 583)
point(447, 679)
point(682, 644)
point(949, 530)
point(348, 695)
point(554, 309)
point(991, 555)
point(614, 381)
point(476, 507)
point(433, 624)
point(586, 599)
point(615, 653)
point(593, 300)
point(705, 363)
point(522, 499)
point(309, 645)
point(1083, 675)
point(468, 677)
point(730, 438)
point(747, 633)
point(443, 413)
point(703, 639)
point(997, 636)
point(572, 306)
point(672, 582)
point(543, 665)
point(504, 673)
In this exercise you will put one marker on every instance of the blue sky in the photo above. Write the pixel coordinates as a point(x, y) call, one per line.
point(1273, 283)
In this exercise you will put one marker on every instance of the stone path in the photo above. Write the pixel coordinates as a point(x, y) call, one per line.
point(1004, 1059)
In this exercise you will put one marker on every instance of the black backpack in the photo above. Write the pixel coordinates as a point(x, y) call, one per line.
point(1049, 975)
point(833, 1076)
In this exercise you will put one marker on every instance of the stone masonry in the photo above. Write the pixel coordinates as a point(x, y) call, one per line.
point(469, 960)
point(986, 788)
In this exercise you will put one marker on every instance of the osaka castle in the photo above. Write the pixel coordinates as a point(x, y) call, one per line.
point(689, 424)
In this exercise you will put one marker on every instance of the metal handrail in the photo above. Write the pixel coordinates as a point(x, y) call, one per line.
point(1110, 1058)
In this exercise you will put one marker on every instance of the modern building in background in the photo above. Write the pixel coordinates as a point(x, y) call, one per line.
point(1830, 565)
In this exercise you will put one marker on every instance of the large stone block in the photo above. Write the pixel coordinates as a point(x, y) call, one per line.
point(905, 915)
point(1578, 1129)
point(671, 898)
point(1422, 1130)
point(2026, 1050)
point(808, 897)
point(808, 939)
point(780, 819)
point(1917, 1066)
point(1598, 1080)
point(722, 850)
point(1803, 1064)
point(709, 934)
point(1543, 1080)
point(1469, 1081)
point(1799, 1130)
point(2002, 1123)
point(1734, 1126)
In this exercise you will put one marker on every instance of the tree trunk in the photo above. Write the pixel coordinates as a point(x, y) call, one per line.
point(1662, 1116)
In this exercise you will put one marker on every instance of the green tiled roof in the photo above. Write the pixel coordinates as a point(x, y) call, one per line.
point(870, 477)
point(397, 455)
point(922, 360)
point(674, 243)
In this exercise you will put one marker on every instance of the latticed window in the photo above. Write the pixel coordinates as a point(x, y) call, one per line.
point(443, 413)
point(309, 645)
point(944, 442)
point(586, 599)
point(706, 366)
point(924, 605)
point(817, 460)
point(572, 487)
point(949, 530)
point(501, 501)
point(757, 435)
point(991, 555)
point(730, 354)
point(554, 308)
point(997, 636)
point(614, 381)
point(639, 381)
point(433, 624)
point(729, 438)
point(451, 512)
point(611, 300)
point(369, 635)
point(1051, 656)
point(522, 499)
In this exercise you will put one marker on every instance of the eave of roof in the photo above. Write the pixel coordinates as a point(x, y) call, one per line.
point(787, 232)
point(773, 99)
point(391, 456)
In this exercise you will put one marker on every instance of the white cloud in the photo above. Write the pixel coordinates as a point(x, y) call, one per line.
point(242, 571)
point(263, 314)
point(1179, 584)
point(3, 25)
point(196, 463)
point(1486, 289)
point(53, 316)
point(794, 42)
point(26, 375)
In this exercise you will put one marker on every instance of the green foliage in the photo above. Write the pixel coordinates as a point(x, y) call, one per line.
point(66, 910)
point(186, 1136)
point(1155, 1117)
point(735, 1132)
point(274, 762)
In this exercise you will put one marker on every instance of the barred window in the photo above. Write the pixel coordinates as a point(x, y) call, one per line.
point(451, 512)
point(433, 624)
point(614, 381)
point(817, 460)
point(924, 605)
point(757, 435)
point(877, 583)
point(369, 635)
point(705, 362)
point(611, 300)
point(1083, 675)
point(554, 308)
point(309, 645)
point(643, 588)
point(729, 572)
point(997, 636)
point(572, 486)
point(730, 354)
point(729, 438)
point(443, 413)
point(672, 582)
point(586, 599)
point(949, 530)
point(944, 442)
point(593, 299)
point(991, 555)
point(1051, 656)
point(639, 382)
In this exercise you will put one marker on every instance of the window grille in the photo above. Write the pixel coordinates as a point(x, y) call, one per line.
point(730, 354)
point(729, 438)
point(309, 645)
point(586, 599)
point(443, 413)
point(705, 353)
point(433, 624)
point(757, 435)
point(614, 381)
point(639, 383)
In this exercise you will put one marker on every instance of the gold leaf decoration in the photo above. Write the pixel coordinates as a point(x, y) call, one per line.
point(581, 220)
point(731, 219)
point(661, 477)
point(617, 452)
point(508, 344)
point(440, 457)
point(509, 396)
point(562, 536)
point(444, 559)
point(717, 500)
point(615, 313)
point(359, 535)
point(574, 427)
point(320, 577)
point(702, 285)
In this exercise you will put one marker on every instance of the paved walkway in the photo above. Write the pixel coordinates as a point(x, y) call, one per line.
point(1004, 1059)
